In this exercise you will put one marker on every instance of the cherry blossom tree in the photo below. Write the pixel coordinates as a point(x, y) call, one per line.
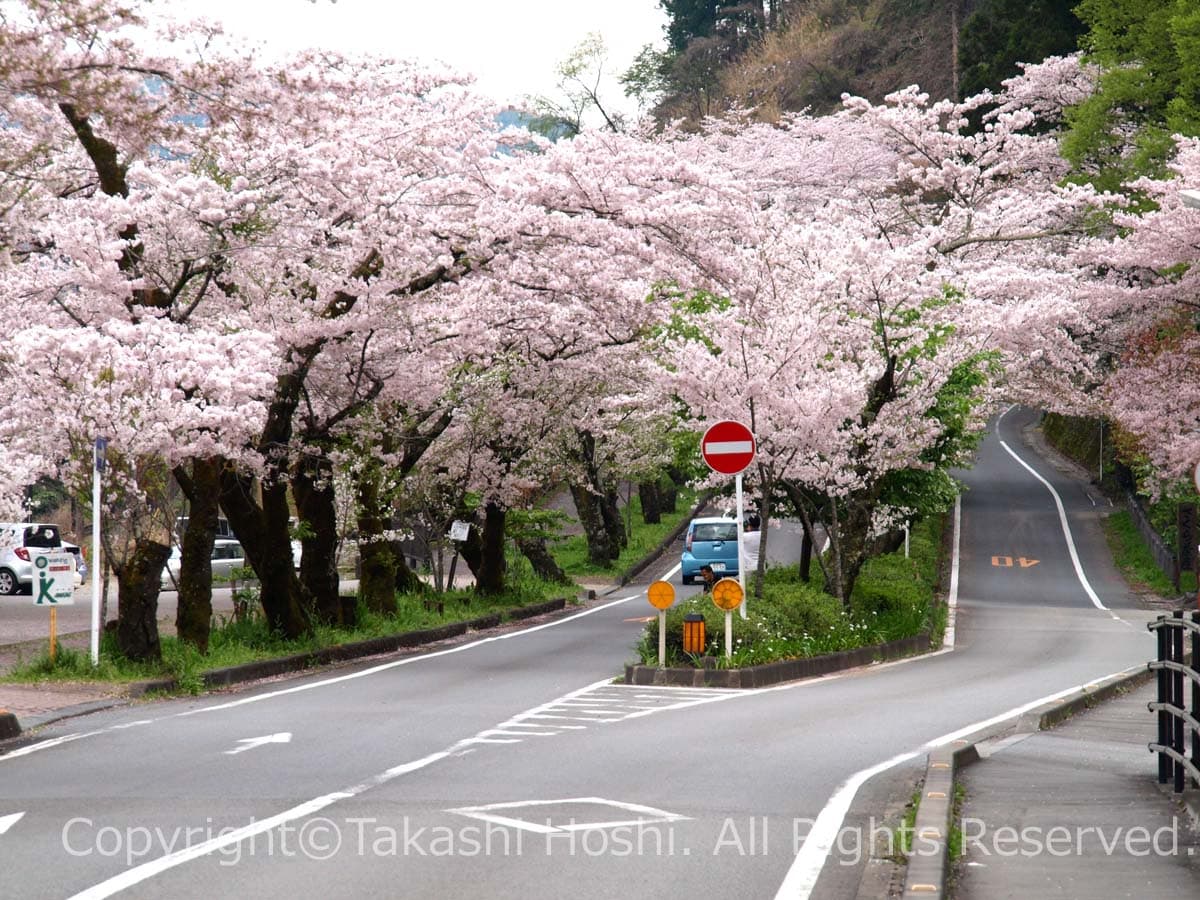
point(1143, 295)
point(897, 248)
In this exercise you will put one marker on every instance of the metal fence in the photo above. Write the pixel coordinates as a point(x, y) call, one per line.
point(1176, 678)
point(1164, 556)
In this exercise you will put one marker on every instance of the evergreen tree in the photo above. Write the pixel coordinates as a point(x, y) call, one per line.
point(1150, 89)
point(1002, 33)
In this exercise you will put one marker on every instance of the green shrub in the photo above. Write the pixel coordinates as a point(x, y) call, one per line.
point(893, 598)
point(799, 607)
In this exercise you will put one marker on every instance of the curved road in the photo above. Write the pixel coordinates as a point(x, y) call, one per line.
point(511, 767)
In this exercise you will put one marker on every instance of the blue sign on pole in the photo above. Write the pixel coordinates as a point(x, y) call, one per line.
point(101, 448)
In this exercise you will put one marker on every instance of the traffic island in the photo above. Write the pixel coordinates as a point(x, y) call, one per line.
point(777, 672)
point(9, 726)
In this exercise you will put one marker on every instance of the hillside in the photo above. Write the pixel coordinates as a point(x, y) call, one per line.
point(819, 50)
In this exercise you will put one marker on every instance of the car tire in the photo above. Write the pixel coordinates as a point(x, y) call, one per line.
point(8, 582)
point(686, 579)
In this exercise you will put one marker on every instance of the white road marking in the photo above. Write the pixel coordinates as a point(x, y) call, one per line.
point(7, 822)
point(647, 815)
point(806, 868)
point(802, 876)
point(952, 600)
point(383, 667)
point(52, 742)
point(283, 737)
point(1066, 529)
point(138, 874)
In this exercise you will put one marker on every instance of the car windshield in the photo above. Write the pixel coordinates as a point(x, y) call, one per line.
point(715, 531)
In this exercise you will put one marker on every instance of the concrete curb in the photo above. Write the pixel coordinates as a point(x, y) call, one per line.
point(299, 662)
point(665, 544)
point(779, 672)
point(70, 712)
point(929, 863)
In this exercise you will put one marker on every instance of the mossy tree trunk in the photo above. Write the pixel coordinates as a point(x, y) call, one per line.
point(312, 488)
point(137, 599)
point(193, 614)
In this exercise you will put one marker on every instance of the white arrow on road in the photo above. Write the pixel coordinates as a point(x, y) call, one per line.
point(7, 822)
point(282, 737)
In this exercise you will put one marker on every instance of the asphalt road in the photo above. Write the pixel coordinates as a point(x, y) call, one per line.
point(510, 766)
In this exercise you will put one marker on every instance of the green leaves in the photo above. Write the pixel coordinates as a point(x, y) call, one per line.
point(1150, 89)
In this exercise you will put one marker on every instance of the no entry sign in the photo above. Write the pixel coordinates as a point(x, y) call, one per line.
point(727, 447)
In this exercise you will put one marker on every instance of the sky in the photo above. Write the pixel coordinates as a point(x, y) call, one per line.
point(512, 46)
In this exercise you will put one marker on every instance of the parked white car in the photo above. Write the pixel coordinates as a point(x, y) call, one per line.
point(17, 541)
point(227, 555)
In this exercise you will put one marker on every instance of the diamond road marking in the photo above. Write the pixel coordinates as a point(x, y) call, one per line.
point(645, 815)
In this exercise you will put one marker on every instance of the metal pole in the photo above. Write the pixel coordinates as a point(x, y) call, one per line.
point(1196, 694)
point(906, 540)
point(53, 634)
point(741, 554)
point(1102, 449)
point(1164, 696)
point(729, 633)
point(96, 558)
point(662, 638)
point(1177, 700)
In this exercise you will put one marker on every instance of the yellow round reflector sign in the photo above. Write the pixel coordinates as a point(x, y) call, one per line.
point(727, 594)
point(661, 594)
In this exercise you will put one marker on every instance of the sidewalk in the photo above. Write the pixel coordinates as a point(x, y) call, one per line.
point(36, 704)
point(1077, 811)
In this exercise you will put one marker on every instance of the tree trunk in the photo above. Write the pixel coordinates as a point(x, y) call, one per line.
point(851, 544)
point(137, 600)
point(193, 615)
point(541, 560)
point(483, 551)
point(670, 490)
point(489, 579)
point(263, 533)
point(406, 581)
point(601, 550)
point(651, 496)
point(610, 512)
point(312, 488)
point(376, 558)
point(806, 550)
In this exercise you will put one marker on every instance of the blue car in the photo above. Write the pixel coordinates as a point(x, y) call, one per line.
point(712, 542)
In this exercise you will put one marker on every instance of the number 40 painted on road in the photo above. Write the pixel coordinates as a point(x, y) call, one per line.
point(1006, 562)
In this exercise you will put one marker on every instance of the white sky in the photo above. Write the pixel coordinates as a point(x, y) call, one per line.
point(512, 46)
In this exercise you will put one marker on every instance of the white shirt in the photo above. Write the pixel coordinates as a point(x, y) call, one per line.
point(750, 545)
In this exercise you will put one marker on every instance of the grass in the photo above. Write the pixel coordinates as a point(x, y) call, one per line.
point(901, 845)
point(1135, 561)
point(571, 553)
point(893, 598)
point(249, 640)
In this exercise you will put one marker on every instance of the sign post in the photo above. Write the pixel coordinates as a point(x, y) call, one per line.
point(728, 448)
point(53, 586)
point(98, 459)
point(459, 531)
point(661, 595)
point(728, 595)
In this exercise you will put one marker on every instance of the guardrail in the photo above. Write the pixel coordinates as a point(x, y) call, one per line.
point(1164, 556)
point(1174, 718)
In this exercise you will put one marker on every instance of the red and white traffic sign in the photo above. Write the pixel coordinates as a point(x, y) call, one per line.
point(728, 447)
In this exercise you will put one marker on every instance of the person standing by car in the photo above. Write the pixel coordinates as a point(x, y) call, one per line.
point(751, 542)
